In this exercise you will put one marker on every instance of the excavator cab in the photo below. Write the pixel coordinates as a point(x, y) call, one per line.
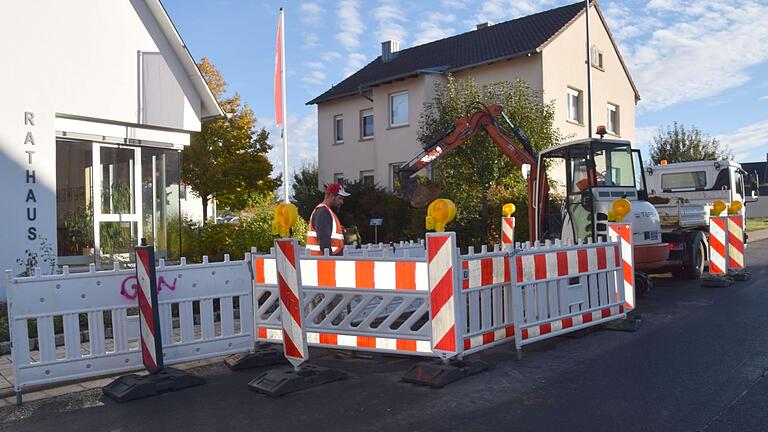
point(582, 180)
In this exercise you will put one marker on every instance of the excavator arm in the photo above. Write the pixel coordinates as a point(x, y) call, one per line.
point(483, 119)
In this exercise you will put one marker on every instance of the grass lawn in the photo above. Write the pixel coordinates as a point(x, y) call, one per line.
point(754, 224)
point(4, 322)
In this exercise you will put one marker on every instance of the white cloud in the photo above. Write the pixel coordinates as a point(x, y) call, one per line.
point(764, 98)
point(351, 26)
point(644, 139)
point(747, 143)
point(704, 54)
point(312, 13)
point(503, 10)
point(302, 142)
point(355, 61)
point(314, 76)
point(453, 4)
point(435, 27)
point(330, 56)
point(311, 40)
point(390, 18)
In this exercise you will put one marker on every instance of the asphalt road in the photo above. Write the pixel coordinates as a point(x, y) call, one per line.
point(697, 364)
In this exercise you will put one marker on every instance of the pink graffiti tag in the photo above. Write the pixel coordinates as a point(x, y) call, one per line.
point(129, 288)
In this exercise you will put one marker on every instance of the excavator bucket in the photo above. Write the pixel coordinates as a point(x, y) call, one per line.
point(411, 189)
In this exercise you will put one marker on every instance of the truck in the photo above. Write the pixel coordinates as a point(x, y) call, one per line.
point(683, 194)
point(571, 187)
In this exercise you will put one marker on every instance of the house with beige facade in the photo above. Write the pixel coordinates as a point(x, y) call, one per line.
point(368, 123)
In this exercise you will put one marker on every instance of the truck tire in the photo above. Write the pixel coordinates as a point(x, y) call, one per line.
point(695, 268)
point(643, 284)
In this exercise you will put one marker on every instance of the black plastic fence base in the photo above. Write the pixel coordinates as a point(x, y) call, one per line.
point(265, 355)
point(716, 281)
point(129, 387)
point(438, 374)
point(278, 382)
point(624, 324)
point(740, 275)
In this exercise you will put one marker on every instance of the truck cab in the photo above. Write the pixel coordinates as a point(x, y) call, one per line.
point(683, 194)
point(698, 183)
point(577, 184)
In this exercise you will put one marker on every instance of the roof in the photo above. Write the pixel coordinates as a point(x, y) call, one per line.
point(503, 41)
point(211, 110)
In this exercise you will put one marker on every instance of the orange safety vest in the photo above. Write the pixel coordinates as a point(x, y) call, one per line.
point(337, 234)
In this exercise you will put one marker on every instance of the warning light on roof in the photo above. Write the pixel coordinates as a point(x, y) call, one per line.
point(663, 162)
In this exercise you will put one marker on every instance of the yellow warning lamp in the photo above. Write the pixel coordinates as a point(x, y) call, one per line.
point(286, 215)
point(439, 213)
point(717, 208)
point(508, 209)
point(735, 207)
point(619, 209)
point(663, 162)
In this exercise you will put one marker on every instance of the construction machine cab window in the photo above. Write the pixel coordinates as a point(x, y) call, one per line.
point(613, 166)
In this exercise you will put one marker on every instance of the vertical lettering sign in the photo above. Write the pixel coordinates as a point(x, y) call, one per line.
point(31, 181)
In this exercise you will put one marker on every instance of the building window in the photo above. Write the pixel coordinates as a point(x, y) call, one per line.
point(597, 57)
point(366, 178)
point(338, 129)
point(613, 119)
point(574, 105)
point(338, 178)
point(366, 124)
point(398, 109)
point(394, 182)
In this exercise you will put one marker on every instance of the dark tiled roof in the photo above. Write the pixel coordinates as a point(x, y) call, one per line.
point(500, 41)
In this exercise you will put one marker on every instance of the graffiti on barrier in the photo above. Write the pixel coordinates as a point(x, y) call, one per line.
point(129, 288)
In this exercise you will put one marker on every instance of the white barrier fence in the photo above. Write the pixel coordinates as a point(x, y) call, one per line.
point(475, 301)
point(105, 303)
point(560, 289)
point(421, 299)
point(371, 299)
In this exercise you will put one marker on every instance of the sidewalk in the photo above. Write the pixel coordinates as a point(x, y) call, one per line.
point(8, 395)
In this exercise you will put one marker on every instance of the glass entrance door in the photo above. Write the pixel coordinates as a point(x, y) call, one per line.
point(116, 201)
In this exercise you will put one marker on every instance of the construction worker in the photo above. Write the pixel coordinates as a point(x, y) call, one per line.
point(325, 230)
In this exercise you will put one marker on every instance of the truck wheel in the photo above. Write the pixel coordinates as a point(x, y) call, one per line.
point(643, 284)
point(696, 268)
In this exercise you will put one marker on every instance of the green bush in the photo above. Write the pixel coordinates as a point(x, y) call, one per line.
point(235, 239)
point(4, 333)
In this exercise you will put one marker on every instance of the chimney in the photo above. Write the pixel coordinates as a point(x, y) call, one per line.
point(389, 50)
point(484, 25)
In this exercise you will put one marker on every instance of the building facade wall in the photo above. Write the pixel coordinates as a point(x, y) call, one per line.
point(76, 70)
point(609, 85)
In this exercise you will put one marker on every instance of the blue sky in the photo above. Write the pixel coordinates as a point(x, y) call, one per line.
point(702, 63)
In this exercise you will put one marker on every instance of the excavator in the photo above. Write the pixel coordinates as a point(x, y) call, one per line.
point(571, 186)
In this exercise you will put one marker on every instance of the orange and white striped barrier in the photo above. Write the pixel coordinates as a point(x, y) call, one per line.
point(560, 289)
point(443, 269)
point(718, 239)
point(507, 231)
point(149, 316)
point(291, 310)
point(485, 295)
point(622, 232)
point(736, 242)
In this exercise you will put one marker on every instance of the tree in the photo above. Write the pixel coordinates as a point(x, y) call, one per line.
point(306, 193)
point(678, 144)
point(227, 158)
point(477, 176)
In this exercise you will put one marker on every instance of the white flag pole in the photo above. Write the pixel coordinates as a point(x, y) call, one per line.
point(285, 116)
point(589, 74)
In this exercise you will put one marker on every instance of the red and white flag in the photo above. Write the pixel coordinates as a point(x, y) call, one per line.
point(279, 72)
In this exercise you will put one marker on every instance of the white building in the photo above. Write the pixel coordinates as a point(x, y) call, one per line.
point(98, 99)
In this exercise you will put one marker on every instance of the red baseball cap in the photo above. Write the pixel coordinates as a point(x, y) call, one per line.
point(336, 189)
